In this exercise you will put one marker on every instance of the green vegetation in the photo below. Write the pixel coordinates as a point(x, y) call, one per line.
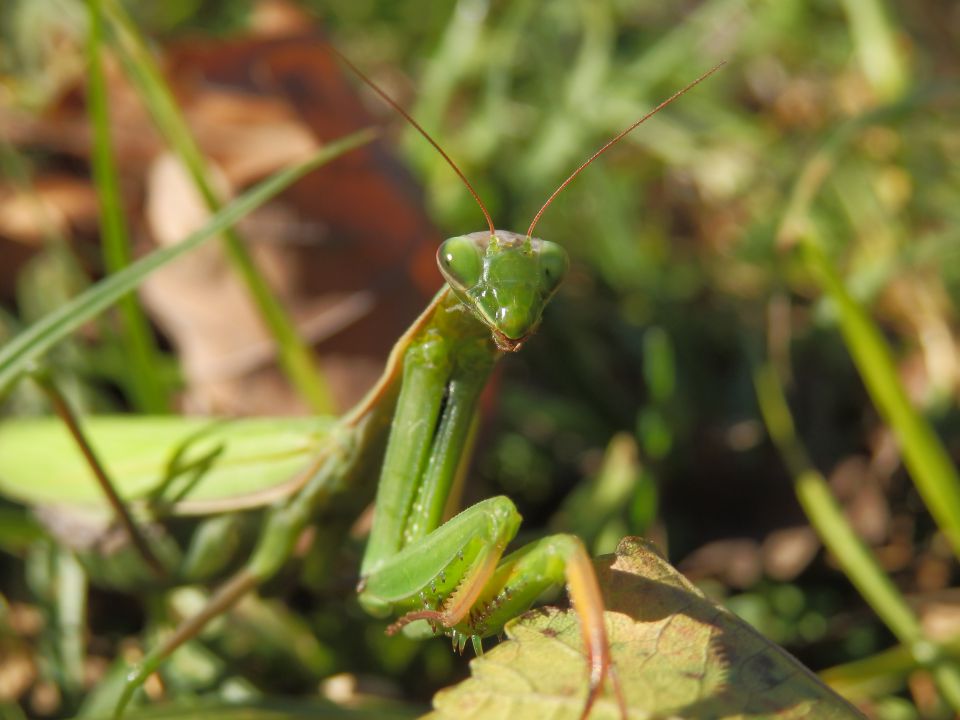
point(761, 313)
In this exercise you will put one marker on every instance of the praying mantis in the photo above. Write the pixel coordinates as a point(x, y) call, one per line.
point(433, 576)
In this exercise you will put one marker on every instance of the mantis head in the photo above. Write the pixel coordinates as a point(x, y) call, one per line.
point(506, 279)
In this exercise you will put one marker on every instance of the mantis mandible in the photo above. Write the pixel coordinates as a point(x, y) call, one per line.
point(438, 577)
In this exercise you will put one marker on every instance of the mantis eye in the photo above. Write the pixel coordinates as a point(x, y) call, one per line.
point(553, 266)
point(460, 262)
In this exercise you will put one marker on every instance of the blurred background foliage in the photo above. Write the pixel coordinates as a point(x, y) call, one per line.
point(837, 119)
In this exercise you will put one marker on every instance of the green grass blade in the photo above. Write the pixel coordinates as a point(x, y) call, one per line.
point(827, 517)
point(855, 558)
point(926, 459)
point(877, 46)
point(294, 354)
point(143, 383)
point(27, 347)
point(71, 612)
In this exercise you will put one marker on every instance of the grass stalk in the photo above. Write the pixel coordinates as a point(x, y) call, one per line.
point(877, 47)
point(19, 354)
point(854, 557)
point(924, 455)
point(295, 355)
point(143, 384)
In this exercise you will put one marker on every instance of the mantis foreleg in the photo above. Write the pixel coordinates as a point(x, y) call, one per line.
point(484, 601)
point(444, 370)
point(453, 576)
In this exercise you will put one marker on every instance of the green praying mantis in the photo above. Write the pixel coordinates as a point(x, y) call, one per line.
point(433, 576)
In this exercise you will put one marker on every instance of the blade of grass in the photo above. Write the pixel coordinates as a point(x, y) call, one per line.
point(143, 383)
point(295, 356)
point(880, 674)
point(875, 676)
point(878, 49)
point(27, 347)
point(61, 406)
point(71, 612)
point(925, 457)
point(854, 557)
point(825, 514)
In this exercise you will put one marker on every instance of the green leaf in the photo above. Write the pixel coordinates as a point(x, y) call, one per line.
point(678, 655)
point(209, 463)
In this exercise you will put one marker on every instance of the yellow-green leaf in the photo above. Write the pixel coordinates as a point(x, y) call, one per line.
point(678, 655)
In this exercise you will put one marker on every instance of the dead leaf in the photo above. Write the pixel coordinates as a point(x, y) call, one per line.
point(788, 552)
point(736, 562)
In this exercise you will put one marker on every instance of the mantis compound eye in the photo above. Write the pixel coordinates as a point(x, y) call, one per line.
point(461, 262)
point(553, 266)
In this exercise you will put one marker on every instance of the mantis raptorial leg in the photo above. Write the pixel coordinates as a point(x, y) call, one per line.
point(448, 577)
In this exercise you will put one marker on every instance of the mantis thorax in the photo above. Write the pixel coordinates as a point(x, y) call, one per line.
point(505, 279)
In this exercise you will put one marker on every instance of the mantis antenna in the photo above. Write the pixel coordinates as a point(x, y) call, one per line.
point(536, 218)
point(616, 139)
point(396, 106)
